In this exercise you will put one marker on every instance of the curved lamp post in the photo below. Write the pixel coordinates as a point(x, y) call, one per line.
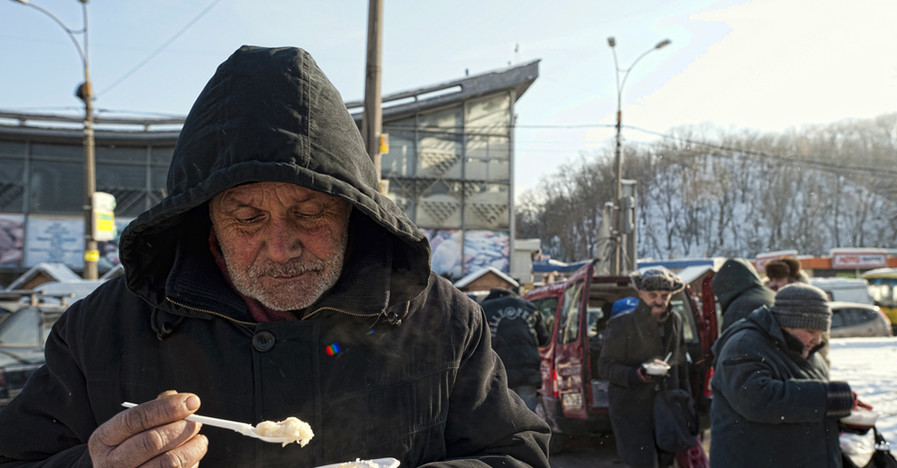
point(85, 93)
point(617, 260)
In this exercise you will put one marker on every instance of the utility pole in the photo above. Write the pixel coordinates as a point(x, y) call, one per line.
point(372, 119)
point(91, 254)
point(85, 93)
point(620, 223)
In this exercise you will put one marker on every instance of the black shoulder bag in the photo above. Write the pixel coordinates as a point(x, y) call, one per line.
point(675, 420)
point(881, 457)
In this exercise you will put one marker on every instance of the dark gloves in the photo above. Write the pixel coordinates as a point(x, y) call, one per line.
point(638, 375)
point(839, 399)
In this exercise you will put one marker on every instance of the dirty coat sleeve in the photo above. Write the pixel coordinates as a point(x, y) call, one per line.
point(488, 424)
point(758, 388)
point(611, 365)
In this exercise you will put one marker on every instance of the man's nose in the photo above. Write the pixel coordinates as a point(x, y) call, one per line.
point(283, 243)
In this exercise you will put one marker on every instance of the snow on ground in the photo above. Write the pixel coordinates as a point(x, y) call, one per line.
point(869, 365)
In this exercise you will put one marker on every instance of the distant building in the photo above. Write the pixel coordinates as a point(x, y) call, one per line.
point(486, 279)
point(450, 166)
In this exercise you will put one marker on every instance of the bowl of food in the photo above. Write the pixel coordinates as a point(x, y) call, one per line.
point(359, 463)
point(860, 418)
point(656, 368)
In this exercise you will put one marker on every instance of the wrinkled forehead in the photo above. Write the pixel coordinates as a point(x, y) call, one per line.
point(279, 192)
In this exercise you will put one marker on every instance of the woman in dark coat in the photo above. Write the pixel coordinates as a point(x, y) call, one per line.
point(648, 333)
point(773, 403)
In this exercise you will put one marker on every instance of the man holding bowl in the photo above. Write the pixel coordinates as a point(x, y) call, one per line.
point(635, 342)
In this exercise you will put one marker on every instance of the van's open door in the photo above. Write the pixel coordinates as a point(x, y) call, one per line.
point(572, 347)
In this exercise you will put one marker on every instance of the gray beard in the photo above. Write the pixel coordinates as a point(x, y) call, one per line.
point(321, 275)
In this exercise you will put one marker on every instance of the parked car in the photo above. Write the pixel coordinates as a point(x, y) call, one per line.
point(883, 289)
point(844, 289)
point(858, 319)
point(573, 399)
point(24, 331)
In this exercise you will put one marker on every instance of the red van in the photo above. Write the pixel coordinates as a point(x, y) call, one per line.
point(573, 400)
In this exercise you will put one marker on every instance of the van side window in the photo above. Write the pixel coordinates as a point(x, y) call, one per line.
point(682, 307)
point(547, 308)
point(597, 321)
point(568, 330)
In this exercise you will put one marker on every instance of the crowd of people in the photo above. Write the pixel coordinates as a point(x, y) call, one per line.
point(276, 281)
point(773, 402)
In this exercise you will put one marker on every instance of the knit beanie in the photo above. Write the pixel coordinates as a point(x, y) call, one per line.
point(801, 305)
point(656, 279)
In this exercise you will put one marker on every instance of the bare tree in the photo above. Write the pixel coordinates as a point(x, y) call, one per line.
point(704, 192)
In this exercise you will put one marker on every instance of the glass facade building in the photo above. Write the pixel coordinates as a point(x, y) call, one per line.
point(449, 166)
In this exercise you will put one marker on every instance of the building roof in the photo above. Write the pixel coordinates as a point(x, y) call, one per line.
point(470, 278)
point(125, 129)
point(53, 272)
point(407, 103)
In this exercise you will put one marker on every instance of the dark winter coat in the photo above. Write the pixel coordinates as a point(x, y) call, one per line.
point(769, 403)
point(633, 339)
point(517, 332)
point(392, 362)
point(739, 290)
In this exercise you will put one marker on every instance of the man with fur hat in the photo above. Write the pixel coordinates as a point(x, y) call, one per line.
point(647, 334)
point(273, 281)
point(773, 403)
point(784, 271)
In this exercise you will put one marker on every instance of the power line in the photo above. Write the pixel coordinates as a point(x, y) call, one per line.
point(825, 165)
point(161, 48)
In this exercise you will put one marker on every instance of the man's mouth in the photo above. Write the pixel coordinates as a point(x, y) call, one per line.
point(290, 276)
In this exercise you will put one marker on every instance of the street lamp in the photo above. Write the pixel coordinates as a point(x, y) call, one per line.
point(617, 260)
point(85, 93)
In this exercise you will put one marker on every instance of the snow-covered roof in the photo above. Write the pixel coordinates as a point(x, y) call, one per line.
point(689, 274)
point(470, 278)
point(54, 271)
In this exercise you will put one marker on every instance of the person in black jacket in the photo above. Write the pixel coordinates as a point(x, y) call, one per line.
point(739, 290)
point(648, 334)
point(273, 281)
point(517, 332)
point(773, 403)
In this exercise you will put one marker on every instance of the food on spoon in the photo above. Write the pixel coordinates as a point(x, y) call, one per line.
point(291, 429)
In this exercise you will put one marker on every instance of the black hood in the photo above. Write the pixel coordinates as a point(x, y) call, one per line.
point(267, 115)
point(736, 276)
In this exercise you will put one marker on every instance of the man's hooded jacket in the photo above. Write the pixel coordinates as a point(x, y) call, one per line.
point(391, 362)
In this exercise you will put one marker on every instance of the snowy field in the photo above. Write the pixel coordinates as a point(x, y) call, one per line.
point(869, 365)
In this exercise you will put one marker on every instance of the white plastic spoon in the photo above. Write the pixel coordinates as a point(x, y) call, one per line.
point(243, 428)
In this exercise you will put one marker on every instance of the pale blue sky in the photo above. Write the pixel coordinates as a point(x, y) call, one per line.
point(736, 64)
